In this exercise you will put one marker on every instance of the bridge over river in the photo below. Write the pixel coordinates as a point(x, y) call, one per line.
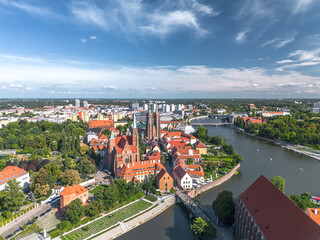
point(197, 210)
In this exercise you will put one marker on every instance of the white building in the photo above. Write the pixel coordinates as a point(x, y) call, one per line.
point(11, 172)
point(172, 108)
point(90, 136)
point(135, 105)
point(180, 107)
point(190, 107)
point(145, 107)
point(85, 104)
point(77, 103)
point(182, 177)
point(272, 114)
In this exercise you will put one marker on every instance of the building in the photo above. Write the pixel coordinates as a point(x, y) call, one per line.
point(273, 114)
point(314, 214)
point(74, 117)
point(263, 212)
point(71, 193)
point(153, 129)
point(139, 171)
point(77, 103)
point(123, 149)
point(101, 124)
point(145, 107)
point(199, 146)
point(85, 104)
point(11, 173)
point(135, 105)
point(164, 180)
point(251, 106)
point(182, 178)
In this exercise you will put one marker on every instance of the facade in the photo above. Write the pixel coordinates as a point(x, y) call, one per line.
point(101, 124)
point(139, 171)
point(263, 212)
point(153, 129)
point(182, 178)
point(11, 173)
point(71, 193)
point(123, 149)
point(164, 180)
point(199, 146)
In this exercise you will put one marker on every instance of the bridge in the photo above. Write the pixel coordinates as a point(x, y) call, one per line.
point(195, 208)
point(211, 124)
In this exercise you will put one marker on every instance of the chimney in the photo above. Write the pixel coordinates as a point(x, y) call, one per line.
point(316, 211)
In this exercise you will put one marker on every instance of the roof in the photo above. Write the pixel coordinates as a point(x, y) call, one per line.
point(138, 168)
point(100, 124)
point(10, 173)
point(161, 174)
point(275, 214)
point(311, 213)
point(199, 144)
point(69, 190)
point(179, 171)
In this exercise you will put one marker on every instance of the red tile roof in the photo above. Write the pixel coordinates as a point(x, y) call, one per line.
point(100, 124)
point(276, 215)
point(10, 173)
point(69, 190)
point(311, 213)
point(179, 172)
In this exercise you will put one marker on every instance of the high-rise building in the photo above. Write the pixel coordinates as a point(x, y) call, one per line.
point(85, 104)
point(153, 129)
point(145, 107)
point(190, 107)
point(135, 105)
point(180, 107)
point(172, 108)
point(77, 103)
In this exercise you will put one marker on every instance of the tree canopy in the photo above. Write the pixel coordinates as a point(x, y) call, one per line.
point(279, 182)
point(224, 207)
point(202, 230)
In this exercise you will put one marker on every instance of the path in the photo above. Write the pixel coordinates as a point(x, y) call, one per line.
point(13, 226)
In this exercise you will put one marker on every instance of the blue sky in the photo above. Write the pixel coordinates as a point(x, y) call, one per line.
point(160, 49)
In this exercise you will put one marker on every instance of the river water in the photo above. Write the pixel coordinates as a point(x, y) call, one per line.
point(174, 222)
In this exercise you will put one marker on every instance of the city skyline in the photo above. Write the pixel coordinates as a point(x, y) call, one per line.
point(159, 49)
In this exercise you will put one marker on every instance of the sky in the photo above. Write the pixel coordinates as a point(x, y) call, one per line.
point(159, 49)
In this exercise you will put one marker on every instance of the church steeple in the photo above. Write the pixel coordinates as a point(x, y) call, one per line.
point(134, 124)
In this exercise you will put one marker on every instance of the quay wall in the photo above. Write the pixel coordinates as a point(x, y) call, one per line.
point(213, 184)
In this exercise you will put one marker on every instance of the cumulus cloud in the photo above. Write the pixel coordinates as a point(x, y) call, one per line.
point(168, 81)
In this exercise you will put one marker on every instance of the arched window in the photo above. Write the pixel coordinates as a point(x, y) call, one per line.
point(127, 159)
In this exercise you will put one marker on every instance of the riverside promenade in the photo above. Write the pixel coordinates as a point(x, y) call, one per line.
point(124, 227)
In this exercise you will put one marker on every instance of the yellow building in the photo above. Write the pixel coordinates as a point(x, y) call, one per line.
point(74, 117)
point(201, 148)
point(85, 118)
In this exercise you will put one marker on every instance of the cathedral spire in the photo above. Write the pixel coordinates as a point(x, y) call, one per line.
point(134, 124)
point(112, 135)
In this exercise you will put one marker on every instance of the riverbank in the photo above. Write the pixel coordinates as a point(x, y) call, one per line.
point(295, 148)
point(196, 118)
point(193, 193)
point(126, 226)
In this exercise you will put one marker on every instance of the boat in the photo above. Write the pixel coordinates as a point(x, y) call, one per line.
point(301, 169)
point(257, 150)
point(270, 159)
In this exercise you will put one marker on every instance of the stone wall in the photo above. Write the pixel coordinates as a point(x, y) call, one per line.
point(213, 184)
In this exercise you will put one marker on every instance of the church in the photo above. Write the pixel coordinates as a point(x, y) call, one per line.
point(153, 129)
point(123, 149)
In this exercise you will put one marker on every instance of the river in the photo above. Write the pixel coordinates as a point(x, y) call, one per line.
point(174, 222)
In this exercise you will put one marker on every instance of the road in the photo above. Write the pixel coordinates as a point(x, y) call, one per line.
point(13, 226)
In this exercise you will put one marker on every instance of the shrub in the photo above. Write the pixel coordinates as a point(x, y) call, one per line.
point(64, 225)
point(86, 228)
point(7, 214)
point(172, 191)
point(150, 198)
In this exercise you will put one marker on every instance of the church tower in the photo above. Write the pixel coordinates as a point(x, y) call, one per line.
point(109, 155)
point(135, 134)
point(153, 129)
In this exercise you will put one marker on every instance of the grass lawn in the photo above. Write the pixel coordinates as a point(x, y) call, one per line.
point(32, 229)
point(108, 220)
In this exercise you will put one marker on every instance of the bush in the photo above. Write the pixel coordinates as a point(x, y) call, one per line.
point(7, 214)
point(172, 191)
point(33, 220)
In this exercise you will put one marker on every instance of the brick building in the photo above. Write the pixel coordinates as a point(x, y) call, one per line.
point(164, 180)
point(263, 212)
point(71, 193)
point(153, 128)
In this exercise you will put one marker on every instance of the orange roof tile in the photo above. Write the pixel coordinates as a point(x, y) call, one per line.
point(311, 213)
point(10, 173)
point(69, 190)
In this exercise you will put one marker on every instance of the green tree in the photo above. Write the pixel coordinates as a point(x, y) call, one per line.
point(303, 201)
point(13, 198)
point(224, 207)
point(70, 177)
point(85, 167)
point(92, 209)
point(106, 132)
point(78, 143)
point(279, 182)
point(189, 161)
point(142, 147)
point(73, 143)
point(202, 230)
point(75, 211)
point(63, 142)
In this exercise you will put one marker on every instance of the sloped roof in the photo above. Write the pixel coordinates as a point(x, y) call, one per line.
point(311, 213)
point(10, 173)
point(276, 215)
point(69, 190)
point(179, 171)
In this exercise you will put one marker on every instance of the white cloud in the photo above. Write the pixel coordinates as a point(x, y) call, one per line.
point(83, 40)
point(137, 17)
point(280, 42)
point(241, 36)
point(93, 37)
point(285, 61)
point(32, 9)
point(302, 5)
point(302, 58)
point(71, 79)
